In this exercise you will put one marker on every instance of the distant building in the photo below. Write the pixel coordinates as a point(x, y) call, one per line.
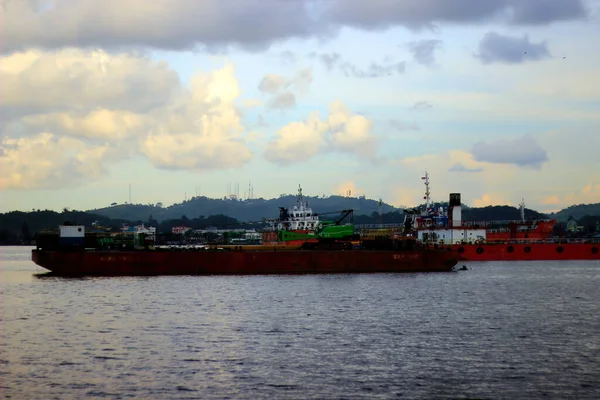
point(180, 229)
point(573, 227)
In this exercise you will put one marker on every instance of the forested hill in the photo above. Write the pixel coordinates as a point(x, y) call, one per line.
point(577, 212)
point(246, 210)
point(201, 212)
point(499, 213)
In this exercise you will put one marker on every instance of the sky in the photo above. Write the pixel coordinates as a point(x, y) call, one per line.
point(498, 100)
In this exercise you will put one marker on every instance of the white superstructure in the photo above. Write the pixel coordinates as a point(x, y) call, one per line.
point(300, 218)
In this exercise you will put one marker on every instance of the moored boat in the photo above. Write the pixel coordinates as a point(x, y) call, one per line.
point(243, 261)
point(333, 248)
point(494, 240)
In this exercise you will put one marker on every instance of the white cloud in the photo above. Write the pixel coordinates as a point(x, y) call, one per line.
point(341, 131)
point(47, 161)
point(107, 107)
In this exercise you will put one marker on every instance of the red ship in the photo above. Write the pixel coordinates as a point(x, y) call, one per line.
point(71, 253)
point(243, 261)
point(495, 240)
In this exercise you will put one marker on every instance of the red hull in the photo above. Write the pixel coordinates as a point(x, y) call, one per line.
point(537, 251)
point(118, 263)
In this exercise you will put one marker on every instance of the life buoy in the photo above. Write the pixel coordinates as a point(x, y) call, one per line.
point(479, 250)
point(594, 250)
point(527, 249)
point(559, 249)
point(510, 249)
point(280, 227)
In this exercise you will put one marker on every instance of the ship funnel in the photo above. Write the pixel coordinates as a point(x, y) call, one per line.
point(454, 210)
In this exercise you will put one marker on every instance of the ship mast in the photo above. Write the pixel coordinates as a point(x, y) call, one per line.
point(522, 209)
point(427, 193)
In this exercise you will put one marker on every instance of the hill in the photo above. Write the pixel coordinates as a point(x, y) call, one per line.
point(243, 210)
point(499, 213)
point(577, 212)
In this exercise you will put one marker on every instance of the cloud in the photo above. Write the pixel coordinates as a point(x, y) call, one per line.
point(490, 200)
point(252, 103)
point(551, 200)
point(523, 152)
point(342, 131)
point(48, 161)
point(496, 48)
point(333, 61)
point(461, 168)
point(282, 89)
point(422, 105)
point(330, 59)
point(35, 81)
point(250, 24)
point(373, 71)
point(271, 83)
point(424, 51)
point(401, 126)
point(283, 100)
point(205, 131)
point(348, 186)
point(104, 109)
point(377, 14)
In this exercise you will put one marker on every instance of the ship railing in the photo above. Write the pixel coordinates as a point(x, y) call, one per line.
point(504, 222)
point(378, 226)
point(534, 241)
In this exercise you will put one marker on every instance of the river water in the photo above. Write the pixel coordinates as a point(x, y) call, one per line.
point(498, 330)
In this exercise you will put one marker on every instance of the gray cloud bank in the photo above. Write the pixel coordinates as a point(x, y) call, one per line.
point(250, 24)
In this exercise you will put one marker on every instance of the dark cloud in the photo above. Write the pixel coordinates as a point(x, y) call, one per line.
point(283, 90)
point(283, 100)
point(418, 13)
point(329, 59)
point(524, 152)
point(495, 48)
point(374, 71)
point(462, 168)
point(536, 12)
point(422, 105)
point(251, 24)
point(424, 51)
point(271, 83)
point(333, 61)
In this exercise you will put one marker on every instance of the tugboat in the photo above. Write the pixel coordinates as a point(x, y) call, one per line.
point(293, 227)
point(300, 218)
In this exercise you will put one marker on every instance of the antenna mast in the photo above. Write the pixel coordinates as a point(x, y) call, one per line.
point(522, 209)
point(427, 193)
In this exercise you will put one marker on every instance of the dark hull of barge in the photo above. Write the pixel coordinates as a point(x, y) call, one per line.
point(242, 262)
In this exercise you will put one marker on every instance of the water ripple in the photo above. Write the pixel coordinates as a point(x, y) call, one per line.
point(499, 331)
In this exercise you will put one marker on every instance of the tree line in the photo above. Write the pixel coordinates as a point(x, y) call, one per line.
point(19, 227)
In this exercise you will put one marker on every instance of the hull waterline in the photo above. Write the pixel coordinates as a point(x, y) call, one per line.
point(117, 263)
point(529, 251)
